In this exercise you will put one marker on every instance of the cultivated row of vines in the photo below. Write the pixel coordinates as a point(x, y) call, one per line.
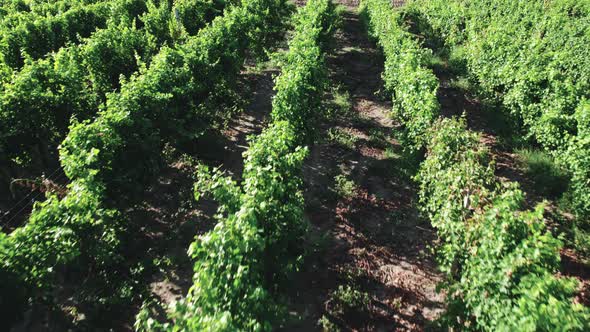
point(124, 98)
point(32, 33)
point(499, 258)
point(41, 97)
point(533, 58)
point(244, 262)
point(111, 157)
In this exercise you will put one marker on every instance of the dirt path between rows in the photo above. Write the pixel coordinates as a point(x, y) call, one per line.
point(370, 267)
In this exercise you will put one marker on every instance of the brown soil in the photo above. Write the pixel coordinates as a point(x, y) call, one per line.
point(370, 239)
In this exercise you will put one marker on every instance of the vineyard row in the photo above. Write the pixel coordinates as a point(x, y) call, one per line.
point(258, 241)
point(532, 57)
point(500, 260)
point(39, 101)
point(110, 159)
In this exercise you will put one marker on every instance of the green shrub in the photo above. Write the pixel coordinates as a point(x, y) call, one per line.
point(344, 188)
point(342, 137)
point(349, 300)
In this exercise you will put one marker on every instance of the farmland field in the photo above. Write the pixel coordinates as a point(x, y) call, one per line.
point(269, 165)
